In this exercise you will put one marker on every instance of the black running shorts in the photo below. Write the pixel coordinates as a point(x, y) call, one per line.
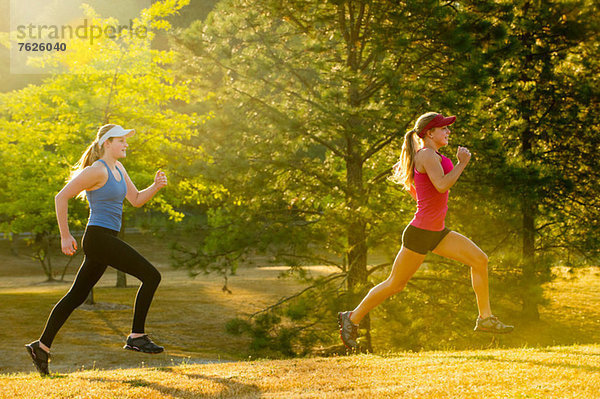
point(420, 240)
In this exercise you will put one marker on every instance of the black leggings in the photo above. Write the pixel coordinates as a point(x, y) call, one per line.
point(102, 248)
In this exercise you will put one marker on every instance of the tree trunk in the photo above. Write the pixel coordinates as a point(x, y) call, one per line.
point(528, 211)
point(43, 255)
point(350, 23)
point(90, 298)
point(530, 300)
point(357, 254)
point(14, 241)
point(121, 279)
point(357, 245)
point(355, 199)
point(357, 235)
point(48, 261)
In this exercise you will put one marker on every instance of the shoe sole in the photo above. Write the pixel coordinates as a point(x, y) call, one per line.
point(136, 349)
point(31, 353)
point(341, 336)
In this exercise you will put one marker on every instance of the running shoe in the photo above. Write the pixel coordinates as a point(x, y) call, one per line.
point(492, 325)
point(348, 330)
point(143, 344)
point(39, 356)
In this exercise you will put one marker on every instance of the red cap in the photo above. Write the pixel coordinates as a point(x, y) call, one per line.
point(439, 121)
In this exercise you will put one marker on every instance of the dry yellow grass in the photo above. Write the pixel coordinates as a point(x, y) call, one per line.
point(189, 318)
point(555, 372)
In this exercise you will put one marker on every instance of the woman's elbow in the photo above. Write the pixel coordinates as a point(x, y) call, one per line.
point(441, 189)
point(59, 198)
point(136, 202)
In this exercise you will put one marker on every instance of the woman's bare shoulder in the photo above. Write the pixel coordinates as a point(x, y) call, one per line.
point(119, 165)
point(423, 156)
point(96, 168)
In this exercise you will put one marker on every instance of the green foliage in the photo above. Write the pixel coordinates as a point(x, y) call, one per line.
point(298, 325)
point(311, 100)
point(537, 148)
point(47, 127)
point(310, 103)
point(266, 340)
point(307, 122)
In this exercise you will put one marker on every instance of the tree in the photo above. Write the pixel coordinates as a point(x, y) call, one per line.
point(311, 101)
point(543, 98)
point(48, 126)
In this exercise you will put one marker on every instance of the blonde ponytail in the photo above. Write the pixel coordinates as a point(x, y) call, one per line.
point(404, 169)
point(93, 153)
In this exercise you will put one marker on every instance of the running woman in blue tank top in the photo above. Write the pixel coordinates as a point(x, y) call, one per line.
point(106, 184)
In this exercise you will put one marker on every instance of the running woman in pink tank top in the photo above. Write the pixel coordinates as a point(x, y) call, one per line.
point(428, 176)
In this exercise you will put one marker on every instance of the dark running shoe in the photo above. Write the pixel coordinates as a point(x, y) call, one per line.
point(39, 356)
point(143, 344)
point(492, 325)
point(348, 330)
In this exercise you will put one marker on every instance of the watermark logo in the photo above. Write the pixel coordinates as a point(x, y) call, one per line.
point(86, 30)
point(71, 36)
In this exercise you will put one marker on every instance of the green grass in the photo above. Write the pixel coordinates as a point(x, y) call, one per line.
point(553, 372)
point(188, 316)
point(556, 357)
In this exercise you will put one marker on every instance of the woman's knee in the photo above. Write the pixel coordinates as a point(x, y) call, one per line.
point(480, 262)
point(153, 277)
point(75, 299)
point(395, 286)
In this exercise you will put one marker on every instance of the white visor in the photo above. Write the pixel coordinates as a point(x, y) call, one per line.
point(115, 131)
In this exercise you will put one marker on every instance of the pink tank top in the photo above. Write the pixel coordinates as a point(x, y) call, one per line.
point(431, 204)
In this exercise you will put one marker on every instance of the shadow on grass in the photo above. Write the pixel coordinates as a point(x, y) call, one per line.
point(533, 334)
point(111, 325)
point(54, 376)
point(559, 365)
point(231, 387)
point(569, 351)
point(49, 282)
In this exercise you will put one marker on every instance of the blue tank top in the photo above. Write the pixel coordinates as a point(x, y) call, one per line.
point(106, 202)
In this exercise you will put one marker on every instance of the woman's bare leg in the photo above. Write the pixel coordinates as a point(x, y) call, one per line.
point(406, 264)
point(460, 248)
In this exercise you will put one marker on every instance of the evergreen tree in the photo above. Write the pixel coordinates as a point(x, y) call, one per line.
point(542, 101)
point(311, 103)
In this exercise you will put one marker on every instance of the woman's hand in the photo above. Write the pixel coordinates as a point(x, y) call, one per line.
point(160, 180)
point(68, 245)
point(463, 155)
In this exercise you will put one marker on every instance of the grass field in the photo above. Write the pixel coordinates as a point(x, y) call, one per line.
point(189, 314)
point(554, 372)
point(557, 357)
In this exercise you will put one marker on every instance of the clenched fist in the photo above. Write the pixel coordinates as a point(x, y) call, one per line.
point(160, 180)
point(463, 154)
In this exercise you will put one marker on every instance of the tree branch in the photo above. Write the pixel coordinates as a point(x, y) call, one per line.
point(378, 146)
point(321, 178)
point(312, 258)
point(303, 132)
point(111, 91)
point(328, 279)
point(377, 267)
